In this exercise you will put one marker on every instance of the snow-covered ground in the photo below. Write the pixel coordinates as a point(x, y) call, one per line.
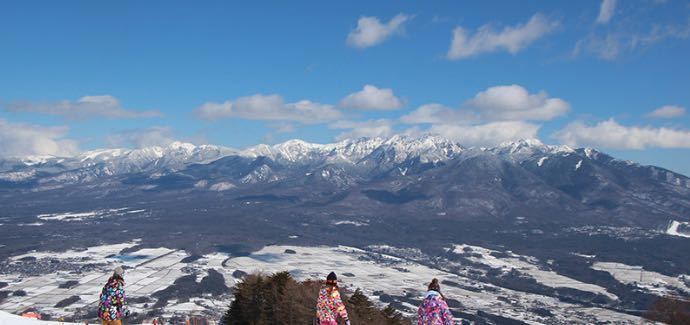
point(351, 222)
point(529, 266)
point(81, 216)
point(375, 270)
point(673, 229)
point(11, 319)
point(651, 281)
point(148, 270)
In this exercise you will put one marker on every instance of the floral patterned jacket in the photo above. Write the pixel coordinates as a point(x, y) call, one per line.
point(329, 307)
point(434, 311)
point(111, 304)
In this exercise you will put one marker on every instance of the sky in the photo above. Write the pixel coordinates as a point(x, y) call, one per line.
point(81, 75)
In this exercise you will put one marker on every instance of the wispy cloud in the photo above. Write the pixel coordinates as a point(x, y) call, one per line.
point(84, 108)
point(142, 138)
point(627, 35)
point(606, 11)
point(667, 111)
point(511, 38)
point(371, 31)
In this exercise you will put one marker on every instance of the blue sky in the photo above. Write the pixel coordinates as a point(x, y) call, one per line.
point(80, 75)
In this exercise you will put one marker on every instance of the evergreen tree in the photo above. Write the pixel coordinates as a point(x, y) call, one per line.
point(279, 299)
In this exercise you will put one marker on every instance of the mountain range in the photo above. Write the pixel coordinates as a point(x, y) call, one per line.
point(433, 173)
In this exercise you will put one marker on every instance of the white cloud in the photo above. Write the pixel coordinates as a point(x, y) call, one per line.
point(667, 111)
point(20, 140)
point(489, 134)
point(610, 134)
point(269, 108)
point(85, 107)
point(142, 138)
point(511, 38)
point(438, 114)
point(514, 102)
point(371, 97)
point(359, 129)
point(499, 103)
point(606, 11)
point(370, 31)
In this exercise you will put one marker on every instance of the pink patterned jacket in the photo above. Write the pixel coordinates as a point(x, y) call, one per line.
point(329, 307)
point(434, 311)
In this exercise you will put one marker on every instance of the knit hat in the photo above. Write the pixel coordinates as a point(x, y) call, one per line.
point(434, 285)
point(331, 278)
point(119, 271)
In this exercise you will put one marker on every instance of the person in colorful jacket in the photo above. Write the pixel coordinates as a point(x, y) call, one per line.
point(330, 306)
point(434, 309)
point(112, 307)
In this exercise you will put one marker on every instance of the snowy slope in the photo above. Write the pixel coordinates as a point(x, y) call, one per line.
point(11, 319)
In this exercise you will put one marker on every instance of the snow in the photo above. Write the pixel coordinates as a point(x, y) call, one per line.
point(528, 265)
point(35, 160)
point(11, 319)
point(32, 224)
point(351, 222)
point(18, 176)
point(400, 276)
point(579, 164)
point(147, 270)
point(673, 229)
point(652, 281)
point(541, 161)
point(81, 216)
point(222, 186)
point(371, 269)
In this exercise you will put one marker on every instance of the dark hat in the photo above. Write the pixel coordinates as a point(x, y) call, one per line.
point(331, 278)
point(434, 285)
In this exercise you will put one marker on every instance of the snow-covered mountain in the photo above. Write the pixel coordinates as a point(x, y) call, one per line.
point(93, 164)
point(365, 155)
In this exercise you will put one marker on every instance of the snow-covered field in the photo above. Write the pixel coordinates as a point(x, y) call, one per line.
point(673, 229)
point(81, 216)
point(528, 266)
point(376, 270)
point(651, 281)
point(148, 270)
point(11, 319)
point(373, 272)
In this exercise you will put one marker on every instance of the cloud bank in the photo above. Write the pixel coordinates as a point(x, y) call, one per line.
point(269, 108)
point(21, 140)
point(610, 134)
point(84, 108)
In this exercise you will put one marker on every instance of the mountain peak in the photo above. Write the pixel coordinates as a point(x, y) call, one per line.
point(179, 145)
